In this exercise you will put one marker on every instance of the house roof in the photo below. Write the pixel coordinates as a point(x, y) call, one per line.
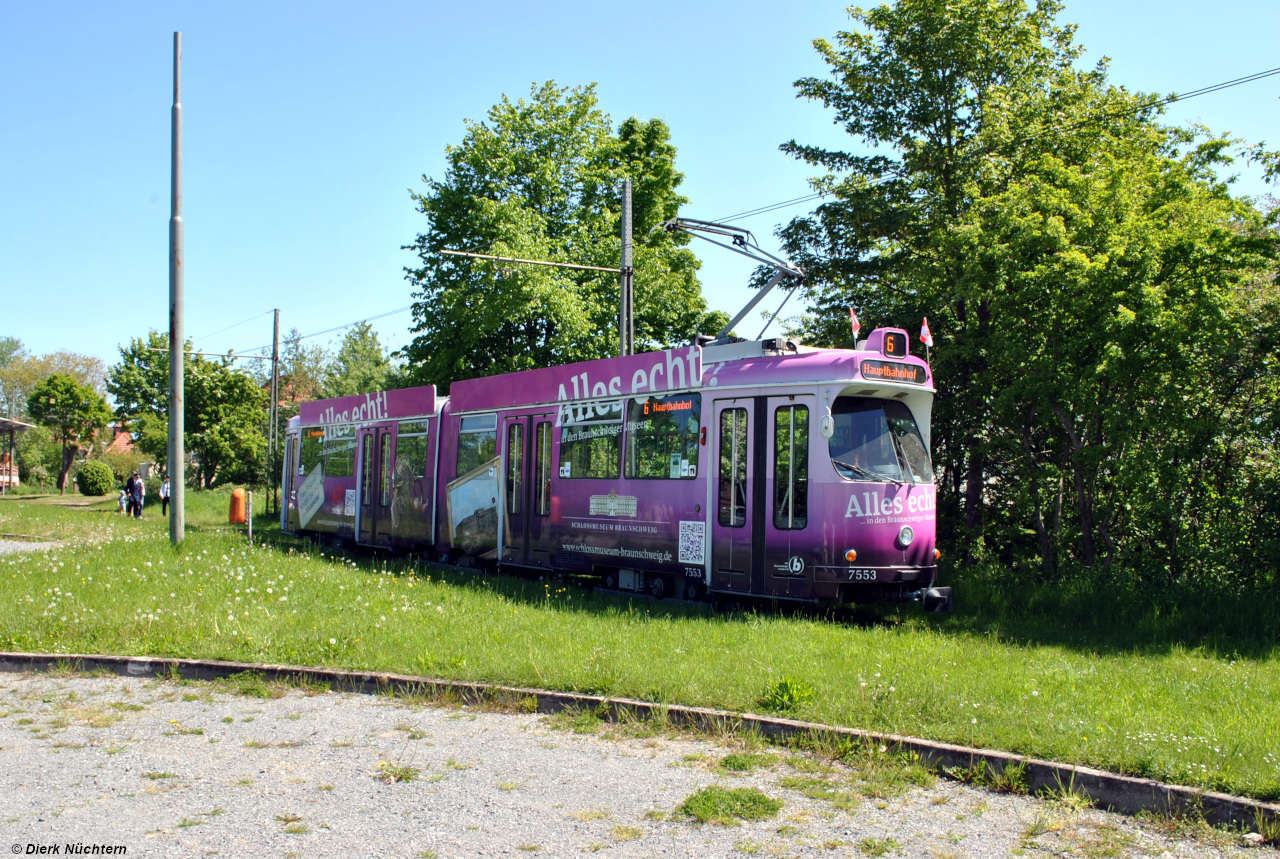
point(122, 441)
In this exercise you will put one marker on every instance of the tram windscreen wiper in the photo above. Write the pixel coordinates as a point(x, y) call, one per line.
point(903, 464)
point(858, 469)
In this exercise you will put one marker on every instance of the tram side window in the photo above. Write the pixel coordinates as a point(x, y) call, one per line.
point(791, 468)
point(312, 453)
point(515, 467)
point(411, 450)
point(340, 452)
point(662, 437)
point(477, 442)
point(733, 468)
point(589, 441)
point(542, 468)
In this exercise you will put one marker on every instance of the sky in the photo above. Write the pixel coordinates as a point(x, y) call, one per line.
point(306, 126)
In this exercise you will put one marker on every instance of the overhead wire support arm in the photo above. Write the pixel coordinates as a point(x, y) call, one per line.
point(741, 242)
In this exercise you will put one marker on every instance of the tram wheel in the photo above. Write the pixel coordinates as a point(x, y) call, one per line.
point(693, 590)
point(658, 587)
point(610, 581)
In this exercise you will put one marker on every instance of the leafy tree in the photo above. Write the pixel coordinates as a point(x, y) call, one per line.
point(916, 85)
point(361, 365)
point(38, 455)
point(11, 400)
point(303, 370)
point(223, 417)
point(74, 412)
point(20, 372)
point(152, 435)
point(541, 179)
point(224, 423)
point(10, 348)
point(139, 384)
point(1086, 272)
point(124, 464)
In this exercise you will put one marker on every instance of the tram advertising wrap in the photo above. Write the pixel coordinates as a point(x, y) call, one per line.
point(737, 469)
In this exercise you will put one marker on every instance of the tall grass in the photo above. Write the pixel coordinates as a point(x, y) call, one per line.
point(1180, 711)
point(1105, 610)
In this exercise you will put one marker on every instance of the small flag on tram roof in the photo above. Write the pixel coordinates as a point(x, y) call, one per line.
point(854, 324)
point(924, 333)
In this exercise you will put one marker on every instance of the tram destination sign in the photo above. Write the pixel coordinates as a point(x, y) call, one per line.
point(892, 371)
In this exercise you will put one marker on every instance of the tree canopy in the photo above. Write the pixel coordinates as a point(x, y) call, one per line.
point(360, 366)
point(1104, 309)
point(20, 372)
point(73, 413)
point(541, 179)
point(223, 418)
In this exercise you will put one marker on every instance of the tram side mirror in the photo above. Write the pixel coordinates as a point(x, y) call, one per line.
point(827, 426)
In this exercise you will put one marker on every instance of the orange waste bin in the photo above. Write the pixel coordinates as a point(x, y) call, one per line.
point(237, 507)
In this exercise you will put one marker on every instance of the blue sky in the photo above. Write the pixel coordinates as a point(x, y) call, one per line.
point(306, 124)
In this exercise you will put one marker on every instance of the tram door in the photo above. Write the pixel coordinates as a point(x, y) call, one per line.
point(736, 559)
point(290, 475)
point(376, 445)
point(790, 543)
point(526, 488)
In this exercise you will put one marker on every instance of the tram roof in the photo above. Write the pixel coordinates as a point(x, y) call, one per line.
point(376, 406)
point(744, 364)
point(659, 373)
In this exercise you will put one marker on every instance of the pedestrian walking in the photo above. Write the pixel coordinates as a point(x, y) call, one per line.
point(129, 492)
point(164, 496)
point(138, 495)
point(124, 500)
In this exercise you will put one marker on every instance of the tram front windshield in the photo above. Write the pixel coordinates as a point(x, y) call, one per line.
point(878, 440)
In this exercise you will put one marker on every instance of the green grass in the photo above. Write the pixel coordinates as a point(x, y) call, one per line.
point(726, 806)
point(1153, 700)
point(878, 846)
point(745, 762)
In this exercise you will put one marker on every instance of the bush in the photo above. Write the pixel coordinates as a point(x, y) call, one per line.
point(96, 478)
point(123, 465)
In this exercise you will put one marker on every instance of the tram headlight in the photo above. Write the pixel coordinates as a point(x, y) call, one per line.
point(851, 555)
point(905, 536)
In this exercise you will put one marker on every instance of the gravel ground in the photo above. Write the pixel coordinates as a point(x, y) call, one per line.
point(175, 769)
point(13, 547)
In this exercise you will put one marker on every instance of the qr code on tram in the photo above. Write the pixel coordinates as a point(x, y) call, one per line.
point(693, 540)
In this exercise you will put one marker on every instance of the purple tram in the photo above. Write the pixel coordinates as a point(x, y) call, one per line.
point(756, 468)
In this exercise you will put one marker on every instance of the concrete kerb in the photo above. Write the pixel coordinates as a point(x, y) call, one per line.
point(1121, 793)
